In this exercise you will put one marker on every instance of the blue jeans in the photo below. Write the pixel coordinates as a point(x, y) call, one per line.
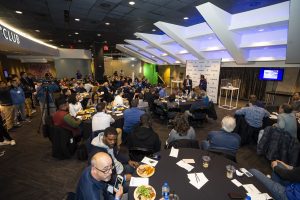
point(277, 190)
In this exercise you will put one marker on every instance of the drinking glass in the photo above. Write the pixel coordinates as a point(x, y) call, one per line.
point(205, 160)
point(229, 171)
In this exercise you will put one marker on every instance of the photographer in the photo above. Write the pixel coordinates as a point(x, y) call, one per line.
point(28, 88)
point(45, 92)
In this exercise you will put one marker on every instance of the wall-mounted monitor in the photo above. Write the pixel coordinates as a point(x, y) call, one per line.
point(271, 74)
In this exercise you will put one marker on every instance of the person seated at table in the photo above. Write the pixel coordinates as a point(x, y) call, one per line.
point(296, 102)
point(94, 180)
point(64, 93)
point(224, 139)
point(118, 101)
point(284, 183)
point(74, 104)
point(287, 120)
point(162, 92)
point(107, 142)
point(88, 86)
point(200, 103)
point(101, 120)
point(171, 102)
point(107, 96)
point(254, 101)
point(80, 88)
point(63, 119)
point(253, 114)
point(181, 130)
point(142, 104)
point(143, 136)
point(131, 118)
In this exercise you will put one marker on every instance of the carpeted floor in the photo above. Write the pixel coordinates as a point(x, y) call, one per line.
point(28, 171)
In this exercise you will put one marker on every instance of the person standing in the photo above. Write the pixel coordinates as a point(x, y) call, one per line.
point(187, 84)
point(6, 108)
point(203, 83)
point(78, 74)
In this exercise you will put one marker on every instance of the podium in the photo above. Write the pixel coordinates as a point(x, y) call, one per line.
point(229, 89)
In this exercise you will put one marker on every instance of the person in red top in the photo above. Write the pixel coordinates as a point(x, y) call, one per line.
point(63, 119)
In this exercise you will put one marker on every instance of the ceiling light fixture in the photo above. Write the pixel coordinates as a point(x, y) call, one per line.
point(260, 30)
point(131, 3)
point(107, 23)
point(37, 30)
point(50, 40)
point(79, 41)
point(185, 18)
point(19, 12)
point(153, 30)
point(77, 19)
point(76, 33)
point(69, 35)
point(98, 34)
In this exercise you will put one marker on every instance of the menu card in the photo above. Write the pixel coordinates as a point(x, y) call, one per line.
point(149, 161)
point(197, 179)
point(184, 165)
point(137, 181)
point(174, 152)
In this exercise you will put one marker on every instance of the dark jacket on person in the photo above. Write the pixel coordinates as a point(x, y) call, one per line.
point(27, 86)
point(277, 144)
point(17, 95)
point(90, 189)
point(144, 137)
point(5, 97)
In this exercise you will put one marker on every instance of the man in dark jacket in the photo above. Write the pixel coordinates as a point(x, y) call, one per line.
point(28, 88)
point(93, 182)
point(187, 84)
point(285, 181)
point(144, 136)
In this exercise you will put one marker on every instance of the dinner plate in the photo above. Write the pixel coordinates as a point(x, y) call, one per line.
point(136, 195)
point(145, 171)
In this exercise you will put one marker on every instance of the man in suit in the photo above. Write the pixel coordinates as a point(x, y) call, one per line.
point(187, 84)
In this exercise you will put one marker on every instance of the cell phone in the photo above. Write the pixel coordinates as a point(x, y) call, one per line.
point(119, 180)
point(233, 195)
point(246, 172)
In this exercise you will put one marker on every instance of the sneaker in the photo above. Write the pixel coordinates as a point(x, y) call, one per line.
point(12, 142)
point(5, 142)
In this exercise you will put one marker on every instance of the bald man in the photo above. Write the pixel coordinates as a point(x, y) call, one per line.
point(93, 182)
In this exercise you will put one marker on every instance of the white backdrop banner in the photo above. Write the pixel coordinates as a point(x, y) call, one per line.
point(211, 70)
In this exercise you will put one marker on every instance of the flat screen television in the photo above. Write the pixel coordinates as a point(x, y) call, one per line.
point(271, 74)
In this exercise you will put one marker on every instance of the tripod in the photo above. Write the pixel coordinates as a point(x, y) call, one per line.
point(45, 107)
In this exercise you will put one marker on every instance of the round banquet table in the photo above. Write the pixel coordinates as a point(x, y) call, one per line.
point(182, 105)
point(217, 188)
point(87, 125)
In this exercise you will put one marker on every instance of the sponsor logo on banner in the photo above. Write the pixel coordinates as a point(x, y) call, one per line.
point(9, 35)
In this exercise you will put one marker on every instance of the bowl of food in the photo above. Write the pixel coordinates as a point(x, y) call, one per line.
point(144, 192)
point(145, 171)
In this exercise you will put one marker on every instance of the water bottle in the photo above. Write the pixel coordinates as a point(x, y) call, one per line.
point(248, 198)
point(165, 190)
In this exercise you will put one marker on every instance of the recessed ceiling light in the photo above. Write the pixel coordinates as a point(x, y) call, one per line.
point(79, 41)
point(69, 35)
point(61, 45)
point(260, 30)
point(185, 18)
point(37, 30)
point(98, 34)
point(77, 19)
point(76, 33)
point(107, 23)
point(105, 41)
point(153, 30)
point(50, 40)
point(19, 12)
point(131, 3)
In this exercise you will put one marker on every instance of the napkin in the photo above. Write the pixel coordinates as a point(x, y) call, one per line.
point(137, 181)
point(174, 152)
point(188, 161)
point(197, 179)
point(149, 161)
point(184, 165)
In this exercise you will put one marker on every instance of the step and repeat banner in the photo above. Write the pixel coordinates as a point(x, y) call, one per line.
point(211, 70)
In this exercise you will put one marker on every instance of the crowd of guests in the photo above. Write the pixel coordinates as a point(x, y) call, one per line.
point(109, 147)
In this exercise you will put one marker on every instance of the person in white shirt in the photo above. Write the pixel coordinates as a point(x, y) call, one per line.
point(88, 86)
point(119, 99)
point(101, 120)
point(74, 104)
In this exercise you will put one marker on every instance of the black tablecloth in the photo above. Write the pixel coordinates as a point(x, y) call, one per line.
point(182, 105)
point(216, 188)
point(87, 125)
